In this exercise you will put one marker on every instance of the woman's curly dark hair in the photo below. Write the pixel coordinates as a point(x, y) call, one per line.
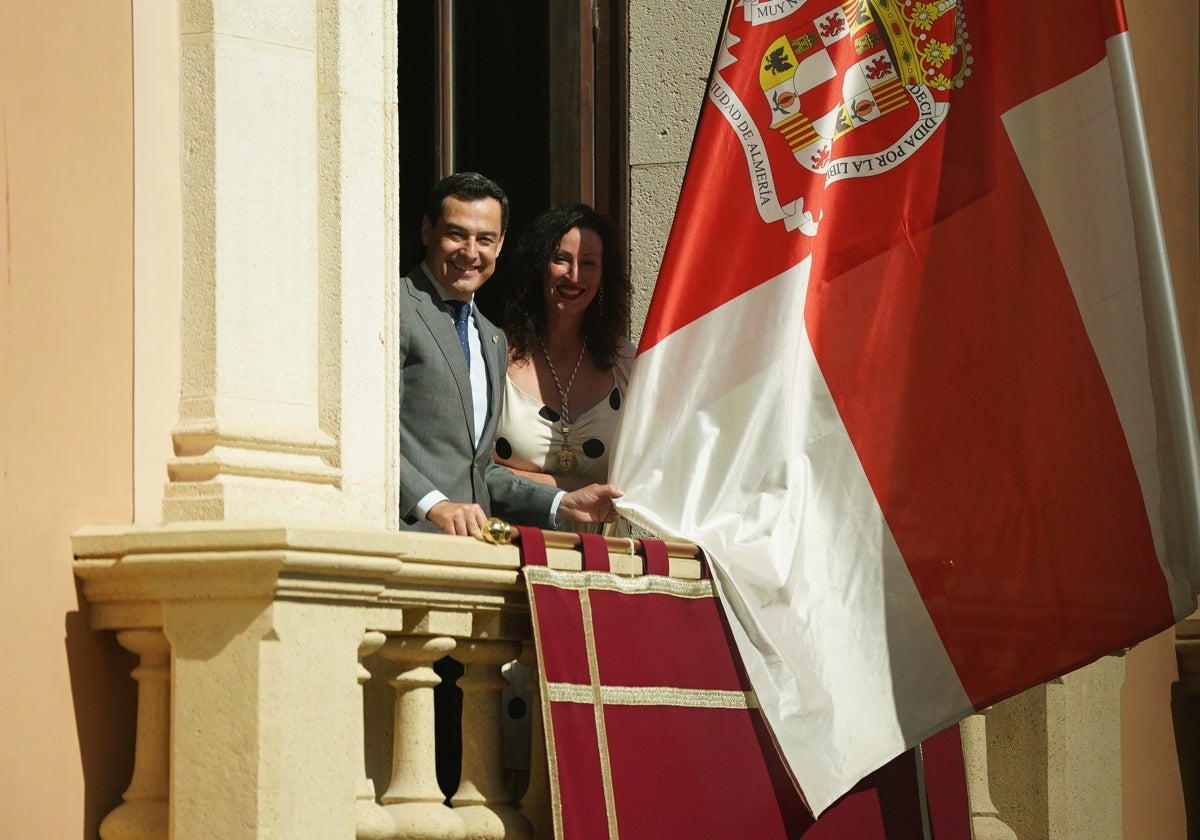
point(607, 317)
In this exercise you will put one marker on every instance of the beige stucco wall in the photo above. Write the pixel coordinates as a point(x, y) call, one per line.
point(156, 250)
point(1151, 784)
point(66, 234)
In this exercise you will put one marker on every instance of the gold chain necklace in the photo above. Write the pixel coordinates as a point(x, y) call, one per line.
point(566, 456)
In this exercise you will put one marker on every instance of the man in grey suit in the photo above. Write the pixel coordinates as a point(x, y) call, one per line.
point(452, 366)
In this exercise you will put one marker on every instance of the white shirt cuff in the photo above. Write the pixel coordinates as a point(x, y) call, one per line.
point(554, 508)
point(421, 508)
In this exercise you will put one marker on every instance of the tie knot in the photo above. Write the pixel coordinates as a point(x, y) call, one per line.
point(462, 311)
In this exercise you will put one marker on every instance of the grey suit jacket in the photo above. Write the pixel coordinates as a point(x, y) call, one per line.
point(437, 425)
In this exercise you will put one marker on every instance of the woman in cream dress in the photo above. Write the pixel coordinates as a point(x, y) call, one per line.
point(568, 356)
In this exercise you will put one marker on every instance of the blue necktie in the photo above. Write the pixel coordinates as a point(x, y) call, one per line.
point(462, 315)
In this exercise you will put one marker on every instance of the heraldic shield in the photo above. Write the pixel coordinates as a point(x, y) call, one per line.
point(853, 64)
point(851, 91)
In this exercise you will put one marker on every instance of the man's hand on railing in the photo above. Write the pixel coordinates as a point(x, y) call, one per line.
point(464, 519)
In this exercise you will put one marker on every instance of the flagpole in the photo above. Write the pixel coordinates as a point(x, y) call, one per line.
point(1161, 314)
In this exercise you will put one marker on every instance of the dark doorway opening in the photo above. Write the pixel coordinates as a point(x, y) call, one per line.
point(534, 99)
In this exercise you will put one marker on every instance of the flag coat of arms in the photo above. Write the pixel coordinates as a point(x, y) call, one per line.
point(912, 374)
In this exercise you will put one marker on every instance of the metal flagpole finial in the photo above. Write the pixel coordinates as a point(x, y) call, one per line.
point(497, 532)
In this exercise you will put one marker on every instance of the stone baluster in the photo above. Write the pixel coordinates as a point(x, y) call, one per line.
point(535, 804)
point(482, 799)
point(985, 820)
point(144, 813)
point(372, 821)
point(413, 798)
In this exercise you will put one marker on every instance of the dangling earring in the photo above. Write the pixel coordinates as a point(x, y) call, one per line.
point(600, 301)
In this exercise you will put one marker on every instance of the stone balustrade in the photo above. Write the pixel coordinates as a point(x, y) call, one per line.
point(256, 641)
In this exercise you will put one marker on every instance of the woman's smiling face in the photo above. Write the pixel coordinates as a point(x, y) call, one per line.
point(573, 275)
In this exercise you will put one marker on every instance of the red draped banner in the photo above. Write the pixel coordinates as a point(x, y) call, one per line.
point(652, 729)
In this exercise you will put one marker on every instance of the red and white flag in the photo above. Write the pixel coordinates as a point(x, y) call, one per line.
point(912, 373)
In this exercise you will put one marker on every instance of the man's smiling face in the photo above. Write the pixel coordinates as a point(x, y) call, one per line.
point(462, 246)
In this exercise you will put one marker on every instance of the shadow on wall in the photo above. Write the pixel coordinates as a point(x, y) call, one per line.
point(1185, 710)
point(104, 696)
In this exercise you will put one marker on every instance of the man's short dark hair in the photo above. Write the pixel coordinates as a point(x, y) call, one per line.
point(466, 186)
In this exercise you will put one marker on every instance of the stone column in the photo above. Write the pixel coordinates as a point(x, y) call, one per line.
point(482, 799)
point(985, 819)
point(413, 798)
point(288, 251)
point(266, 718)
point(143, 814)
point(1054, 754)
point(1083, 715)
